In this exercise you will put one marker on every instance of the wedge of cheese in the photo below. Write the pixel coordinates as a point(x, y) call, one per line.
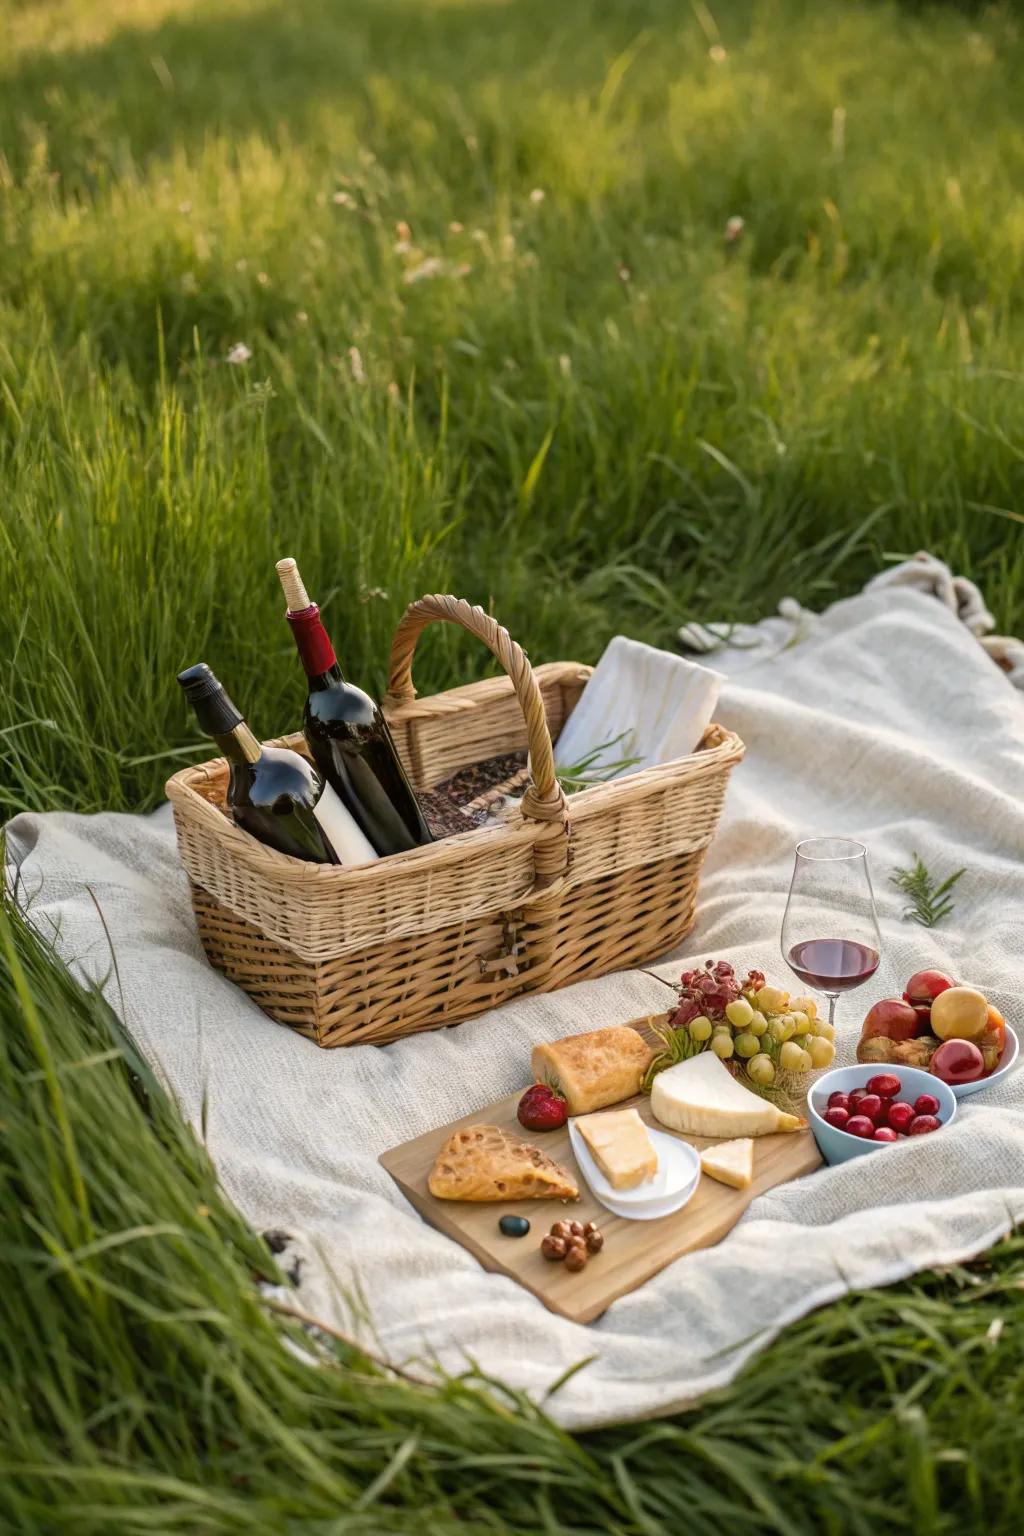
point(700, 1097)
point(620, 1146)
point(731, 1162)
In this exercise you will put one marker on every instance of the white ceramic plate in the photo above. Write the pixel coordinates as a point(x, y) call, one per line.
point(1011, 1050)
point(672, 1186)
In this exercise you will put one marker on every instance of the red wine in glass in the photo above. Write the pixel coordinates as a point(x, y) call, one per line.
point(830, 936)
point(833, 965)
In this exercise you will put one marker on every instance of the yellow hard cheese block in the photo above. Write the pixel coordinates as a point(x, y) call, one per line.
point(731, 1162)
point(620, 1146)
point(700, 1097)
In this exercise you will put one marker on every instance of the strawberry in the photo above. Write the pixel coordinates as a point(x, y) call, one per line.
point(542, 1109)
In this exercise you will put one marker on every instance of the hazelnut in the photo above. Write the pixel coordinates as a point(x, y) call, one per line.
point(576, 1257)
point(576, 1228)
point(562, 1229)
point(591, 1226)
point(595, 1241)
point(553, 1247)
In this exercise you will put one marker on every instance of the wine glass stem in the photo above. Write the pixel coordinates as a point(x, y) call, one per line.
point(833, 998)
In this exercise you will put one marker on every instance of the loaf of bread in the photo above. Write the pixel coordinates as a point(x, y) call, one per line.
point(593, 1070)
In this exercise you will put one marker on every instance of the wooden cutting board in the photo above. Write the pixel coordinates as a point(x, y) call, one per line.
point(633, 1250)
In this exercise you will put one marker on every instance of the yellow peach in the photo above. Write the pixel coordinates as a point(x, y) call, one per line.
point(959, 1013)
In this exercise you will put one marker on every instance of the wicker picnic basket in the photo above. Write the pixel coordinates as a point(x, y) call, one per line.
point(561, 890)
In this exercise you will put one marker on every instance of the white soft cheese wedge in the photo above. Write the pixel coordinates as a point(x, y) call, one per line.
point(731, 1162)
point(700, 1097)
point(620, 1146)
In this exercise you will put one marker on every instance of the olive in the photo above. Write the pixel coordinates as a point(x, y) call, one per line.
point(553, 1247)
point(514, 1226)
point(576, 1258)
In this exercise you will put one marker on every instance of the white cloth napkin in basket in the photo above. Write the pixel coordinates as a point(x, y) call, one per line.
point(640, 704)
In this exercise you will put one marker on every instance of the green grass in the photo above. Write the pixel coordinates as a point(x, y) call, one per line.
point(587, 410)
point(612, 419)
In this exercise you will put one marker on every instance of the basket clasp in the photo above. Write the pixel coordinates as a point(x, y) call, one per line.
point(507, 958)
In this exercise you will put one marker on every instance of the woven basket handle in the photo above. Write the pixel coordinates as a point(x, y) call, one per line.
point(544, 800)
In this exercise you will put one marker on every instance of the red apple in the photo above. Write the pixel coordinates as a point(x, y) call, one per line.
point(924, 987)
point(958, 1061)
point(893, 1018)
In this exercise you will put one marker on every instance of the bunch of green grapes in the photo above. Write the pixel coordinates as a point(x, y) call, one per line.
point(768, 1031)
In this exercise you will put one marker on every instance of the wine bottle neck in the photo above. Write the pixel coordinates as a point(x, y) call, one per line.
point(314, 646)
point(240, 744)
point(217, 716)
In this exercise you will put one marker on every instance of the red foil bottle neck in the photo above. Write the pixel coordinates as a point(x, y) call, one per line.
point(313, 642)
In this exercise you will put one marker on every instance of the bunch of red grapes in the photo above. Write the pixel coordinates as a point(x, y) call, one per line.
point(708, 991)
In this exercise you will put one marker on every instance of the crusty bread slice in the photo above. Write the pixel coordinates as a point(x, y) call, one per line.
point(483, 1162)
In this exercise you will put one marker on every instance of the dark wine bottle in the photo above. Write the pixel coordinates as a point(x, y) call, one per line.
point(348, 736)
point(274, 793)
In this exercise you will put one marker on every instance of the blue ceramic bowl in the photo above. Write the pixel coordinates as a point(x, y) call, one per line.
point(838, 1146)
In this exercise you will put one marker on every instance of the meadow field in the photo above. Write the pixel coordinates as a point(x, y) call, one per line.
point(606, 316)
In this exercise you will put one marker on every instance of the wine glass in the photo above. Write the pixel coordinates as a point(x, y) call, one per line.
point(830, 936)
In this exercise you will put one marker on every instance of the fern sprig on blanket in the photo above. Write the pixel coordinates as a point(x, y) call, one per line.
point(929, 903)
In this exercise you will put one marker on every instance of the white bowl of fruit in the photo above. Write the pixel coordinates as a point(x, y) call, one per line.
point(940, 1027)
point(854, 1110)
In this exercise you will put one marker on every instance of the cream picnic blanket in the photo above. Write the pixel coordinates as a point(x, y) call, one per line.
point(888, 723)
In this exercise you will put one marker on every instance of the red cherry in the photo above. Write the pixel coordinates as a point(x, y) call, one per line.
point(839, 1100)
point(885, 1133)
point(856, 1095)
point(860, 1125)
point(885, 1084)
point(870, 1105)
point(923, 1125)
point(837, 1116)
point(900, 1115)
point(927, 1104)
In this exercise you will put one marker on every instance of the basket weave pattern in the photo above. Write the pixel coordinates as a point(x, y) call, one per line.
point(559, 891)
